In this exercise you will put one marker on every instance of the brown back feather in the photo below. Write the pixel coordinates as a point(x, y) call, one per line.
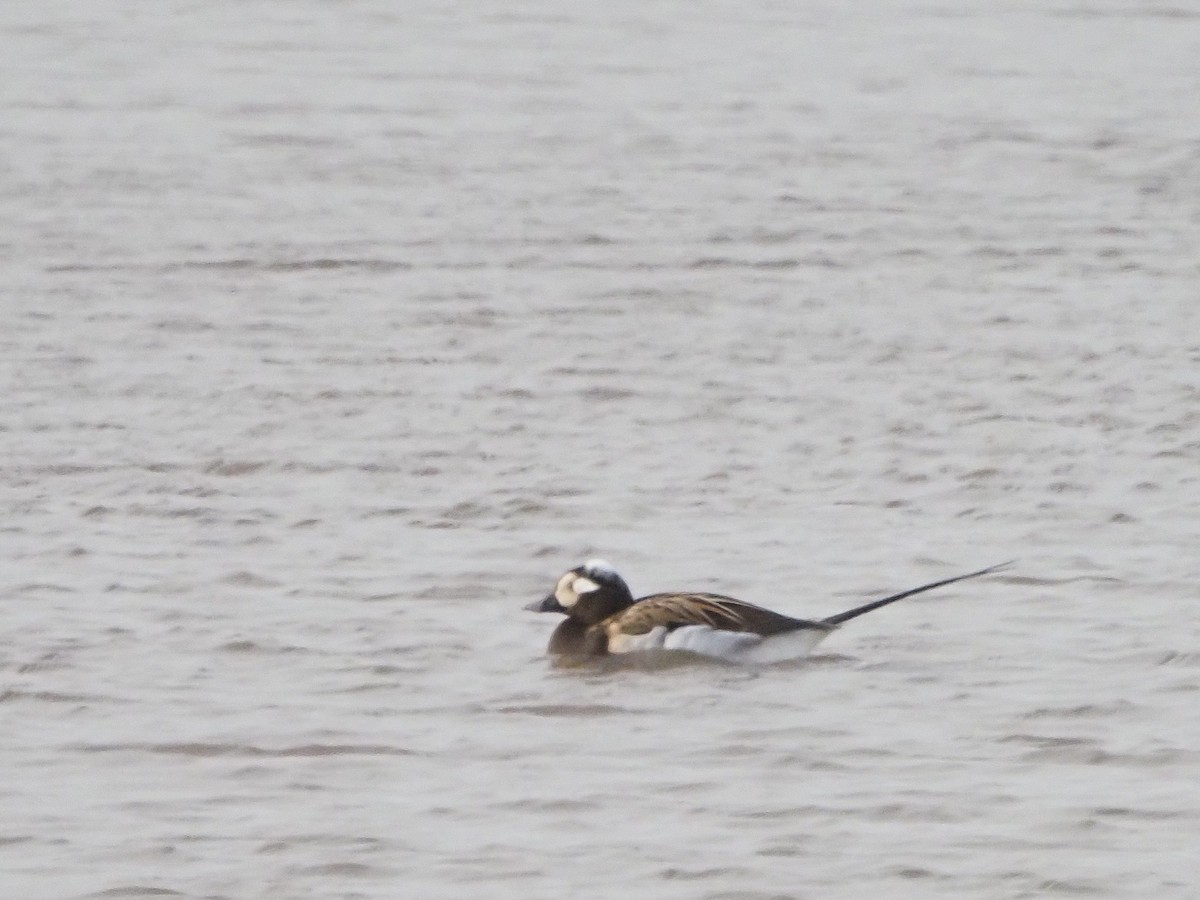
point(714, 610)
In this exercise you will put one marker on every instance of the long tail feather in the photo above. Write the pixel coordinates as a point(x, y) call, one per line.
point(875, 604)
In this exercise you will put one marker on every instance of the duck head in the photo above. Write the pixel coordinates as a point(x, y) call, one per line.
point(589, 593)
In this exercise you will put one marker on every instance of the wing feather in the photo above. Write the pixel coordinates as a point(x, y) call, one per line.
point(712, 610)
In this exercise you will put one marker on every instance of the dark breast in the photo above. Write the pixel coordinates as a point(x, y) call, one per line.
point(567, 639)
point(573, 638)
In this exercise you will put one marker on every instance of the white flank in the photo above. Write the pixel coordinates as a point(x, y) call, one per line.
point(732, 646)
point(783, 647)
point(635, 643)
point(711, 642)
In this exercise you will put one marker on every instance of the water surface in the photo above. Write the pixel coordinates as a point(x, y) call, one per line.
point(333, 333)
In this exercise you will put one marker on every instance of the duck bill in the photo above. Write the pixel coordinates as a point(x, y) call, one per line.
point(549, 603)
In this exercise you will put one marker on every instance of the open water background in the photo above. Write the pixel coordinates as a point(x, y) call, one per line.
point(334, 332)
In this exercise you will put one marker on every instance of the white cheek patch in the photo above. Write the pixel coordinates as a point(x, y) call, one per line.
point(584, 585)
point(563, 593)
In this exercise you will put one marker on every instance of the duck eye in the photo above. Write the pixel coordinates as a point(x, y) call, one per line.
point(584, 585)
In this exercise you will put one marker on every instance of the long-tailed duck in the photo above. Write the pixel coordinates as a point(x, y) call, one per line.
point(604, 618)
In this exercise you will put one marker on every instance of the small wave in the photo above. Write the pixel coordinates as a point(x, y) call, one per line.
point(677, 874)
point(548, 806)
point(566, 710)
point(1086, 710)
point(1179, 658)
point(245, 645)
point(206, 750)
point(653, 661)
point(11, 696)
point(344, 869)
point(43, 586)
point(1123, 812)
point(1086, 752)
point(232, 468)
point(249, 579)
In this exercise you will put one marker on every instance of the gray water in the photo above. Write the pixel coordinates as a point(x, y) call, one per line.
point(335, 332)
